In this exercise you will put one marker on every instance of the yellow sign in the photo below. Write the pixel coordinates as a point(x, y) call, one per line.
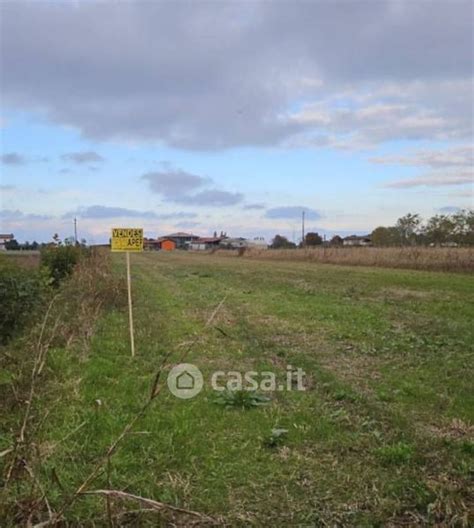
point(127, 239)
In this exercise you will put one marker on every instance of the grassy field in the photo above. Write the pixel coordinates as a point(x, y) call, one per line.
point(382, 436)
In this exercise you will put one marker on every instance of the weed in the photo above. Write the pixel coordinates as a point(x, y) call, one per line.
point(243, 399)
point(342, 394)
point(467, 446)
point(275, 438)
point(397, 454)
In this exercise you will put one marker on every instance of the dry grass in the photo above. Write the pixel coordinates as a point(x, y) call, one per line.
point(22, 259)
point(418, 258)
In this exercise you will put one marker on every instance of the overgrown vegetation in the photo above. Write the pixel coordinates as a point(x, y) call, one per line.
point(22, 292)
point(25, 289)
point(459, 260)
point(60, 261)
point(61, 324)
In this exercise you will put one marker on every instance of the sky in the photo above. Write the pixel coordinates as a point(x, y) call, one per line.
point(233, 116)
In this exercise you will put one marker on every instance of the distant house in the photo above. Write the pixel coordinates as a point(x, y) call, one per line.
point(4, 238)
point(167, 244)
point(234, 243)
point(151, 244)
point(205, 243)
point(355, 240)
point(164, 243)
point(258, 243)
point(182, 240)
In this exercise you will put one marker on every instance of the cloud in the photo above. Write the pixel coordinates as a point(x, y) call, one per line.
point(434, 179)
point(103, 211)
point(88, 156)
point(292, 212)
point(173, 183)
point(211, 198)
point(449, 209)
point(14, 215)
point(405, 110)
point(465, 193)
point(7, 187)
point(254, 206)
point(12, 158)
point(179, 186)
point(458, 162)
point(186, 225)
point(461, 156)
point(214, 76)
point(178, 214)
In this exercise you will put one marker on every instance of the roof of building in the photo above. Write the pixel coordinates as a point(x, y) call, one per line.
point(208, 240)
point(181, 234)
point(5, 235)
point(163, 239)
point(357, 237)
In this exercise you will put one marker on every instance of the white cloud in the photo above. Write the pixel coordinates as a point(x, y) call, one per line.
point(460, 156)
point(292, 212)
point(434, 179)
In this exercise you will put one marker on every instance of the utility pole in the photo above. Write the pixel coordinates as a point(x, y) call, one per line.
point(75, 231)
point(302, 229)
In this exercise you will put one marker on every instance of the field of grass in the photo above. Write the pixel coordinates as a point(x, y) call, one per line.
point(382, 436)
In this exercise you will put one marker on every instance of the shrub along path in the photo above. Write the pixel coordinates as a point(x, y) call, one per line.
point(382, 435)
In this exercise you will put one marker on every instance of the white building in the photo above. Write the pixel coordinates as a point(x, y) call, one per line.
point(355, 240)
point(4, 238)
point(257, 243)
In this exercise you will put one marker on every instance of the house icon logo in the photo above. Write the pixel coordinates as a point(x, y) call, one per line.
point(185, 381)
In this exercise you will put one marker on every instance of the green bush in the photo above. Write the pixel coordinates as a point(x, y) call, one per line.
point(60, 261)
point(22, 291)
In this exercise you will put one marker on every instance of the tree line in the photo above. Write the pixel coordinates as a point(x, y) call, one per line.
point(14, 245)
point(456, 229)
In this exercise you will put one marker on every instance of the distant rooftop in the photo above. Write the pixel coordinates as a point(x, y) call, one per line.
point(357, 237)
point(209, 239)
point(181, 234)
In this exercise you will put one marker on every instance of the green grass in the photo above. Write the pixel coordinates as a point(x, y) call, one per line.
point(388, 356)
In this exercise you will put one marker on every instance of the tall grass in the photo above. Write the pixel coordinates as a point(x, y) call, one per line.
point(67, 322)
point(418, 258)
